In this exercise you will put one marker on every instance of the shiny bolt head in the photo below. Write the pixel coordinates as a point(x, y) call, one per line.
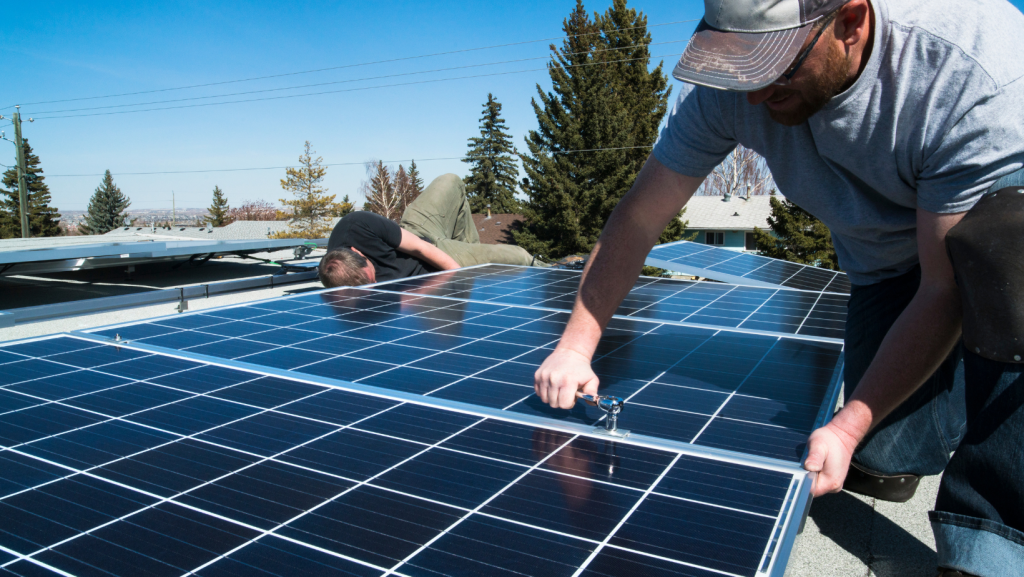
point(1016, 357)
point(1020, 191)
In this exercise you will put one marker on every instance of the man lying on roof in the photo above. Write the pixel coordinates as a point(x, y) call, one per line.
point(888, 120)
point(437, 233)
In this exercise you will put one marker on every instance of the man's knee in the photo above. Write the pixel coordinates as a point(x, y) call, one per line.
point(447, 182)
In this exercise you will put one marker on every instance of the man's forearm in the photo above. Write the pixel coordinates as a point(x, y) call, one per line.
point(916, 345)
point(438, 258)
point(617, 259)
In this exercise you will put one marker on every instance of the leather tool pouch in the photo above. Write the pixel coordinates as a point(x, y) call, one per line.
point(987, 251)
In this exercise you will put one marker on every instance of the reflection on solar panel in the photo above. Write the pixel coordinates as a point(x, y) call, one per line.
point(751, 393)
point(744, 268)
point(773, 310)
point(118, 461)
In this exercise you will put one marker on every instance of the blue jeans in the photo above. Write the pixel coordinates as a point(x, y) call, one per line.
point(978, 519)
point(918, 437)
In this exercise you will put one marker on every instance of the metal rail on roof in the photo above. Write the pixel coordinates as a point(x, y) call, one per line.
point(182, 295)
point(115, 254)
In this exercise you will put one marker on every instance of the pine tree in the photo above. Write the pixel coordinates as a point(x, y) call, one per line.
point(604, 103)
point(415, 182)
point(106, 208)
point(219, 209)
point(344, 207)
point(312, 208)
point(43, 219)
point(799, 237)
point(492, 180)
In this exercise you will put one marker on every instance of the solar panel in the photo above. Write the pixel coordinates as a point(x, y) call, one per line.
point(59, 258)
point(771, 310)
point(119, 461)
point(751, 393)
point(744, 268)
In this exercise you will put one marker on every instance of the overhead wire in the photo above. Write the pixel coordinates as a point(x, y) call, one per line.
point(265, 90)
point(345, 90)
point(119, 174)
point(327, 69)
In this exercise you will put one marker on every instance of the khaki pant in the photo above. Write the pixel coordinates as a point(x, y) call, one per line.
point(441, 215)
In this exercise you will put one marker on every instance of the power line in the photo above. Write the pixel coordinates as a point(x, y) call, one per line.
point(346, 89)
point(404, 58)
point(328, 165)
point(265, 90)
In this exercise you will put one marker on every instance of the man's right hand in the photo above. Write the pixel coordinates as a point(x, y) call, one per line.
point(563, 373)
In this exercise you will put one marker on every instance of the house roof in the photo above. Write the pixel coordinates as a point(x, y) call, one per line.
point(498, 228)
point(238, 230)
point(715, 213)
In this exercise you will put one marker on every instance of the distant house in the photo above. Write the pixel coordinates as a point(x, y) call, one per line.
point(727, 222)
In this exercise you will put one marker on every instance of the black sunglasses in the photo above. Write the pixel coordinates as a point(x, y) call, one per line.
point(787, 77)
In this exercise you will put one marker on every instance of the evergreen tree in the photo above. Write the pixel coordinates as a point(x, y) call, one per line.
point(219, 209)
point(415, 182)
point(606, 103)
point(312, 208)
point(106, 208)
point(799, 237)
point(43, 219)
point(492, 180)
point(344, 207)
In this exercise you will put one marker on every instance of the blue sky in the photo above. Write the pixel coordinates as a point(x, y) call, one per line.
point(72, 50)
point(64, 50)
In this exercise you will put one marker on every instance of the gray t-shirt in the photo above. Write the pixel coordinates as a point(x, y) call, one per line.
point(935, 118)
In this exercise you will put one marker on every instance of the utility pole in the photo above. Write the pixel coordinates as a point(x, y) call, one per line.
point(22, 171)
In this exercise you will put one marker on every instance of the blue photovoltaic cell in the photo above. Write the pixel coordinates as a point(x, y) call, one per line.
point(739, 267)
point(776, 310)
point(676, 379)
point(241, 473)
point(682, 383)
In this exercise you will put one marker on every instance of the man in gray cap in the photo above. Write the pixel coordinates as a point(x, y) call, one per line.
point(888, 120)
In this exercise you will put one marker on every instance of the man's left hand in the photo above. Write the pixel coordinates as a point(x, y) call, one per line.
point(829, 452)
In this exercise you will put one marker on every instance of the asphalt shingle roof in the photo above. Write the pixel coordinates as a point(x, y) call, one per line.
point(714, 213)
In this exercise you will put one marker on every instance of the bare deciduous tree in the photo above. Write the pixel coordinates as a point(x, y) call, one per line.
point(742, 173)
point(253, 210)
point(381, 193)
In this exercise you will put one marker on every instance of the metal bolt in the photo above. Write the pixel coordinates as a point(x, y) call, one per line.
point(1016, 357)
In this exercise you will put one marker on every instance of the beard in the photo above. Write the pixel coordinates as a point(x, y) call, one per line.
point(818, 91)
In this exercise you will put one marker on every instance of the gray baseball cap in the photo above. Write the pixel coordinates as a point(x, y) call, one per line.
point(746, 45)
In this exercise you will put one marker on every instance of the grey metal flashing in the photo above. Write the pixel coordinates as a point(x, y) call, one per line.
point(521, 418)
point(13, 317)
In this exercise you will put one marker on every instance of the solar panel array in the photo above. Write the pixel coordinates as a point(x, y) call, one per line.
point(752, 393)
point(771, 310)
point(116, 460)
point(744, 268)
point(393, 430)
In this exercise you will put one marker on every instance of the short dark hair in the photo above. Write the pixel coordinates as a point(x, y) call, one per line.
point(342, 267)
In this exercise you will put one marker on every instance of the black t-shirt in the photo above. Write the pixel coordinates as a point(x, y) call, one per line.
point(378, 239)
